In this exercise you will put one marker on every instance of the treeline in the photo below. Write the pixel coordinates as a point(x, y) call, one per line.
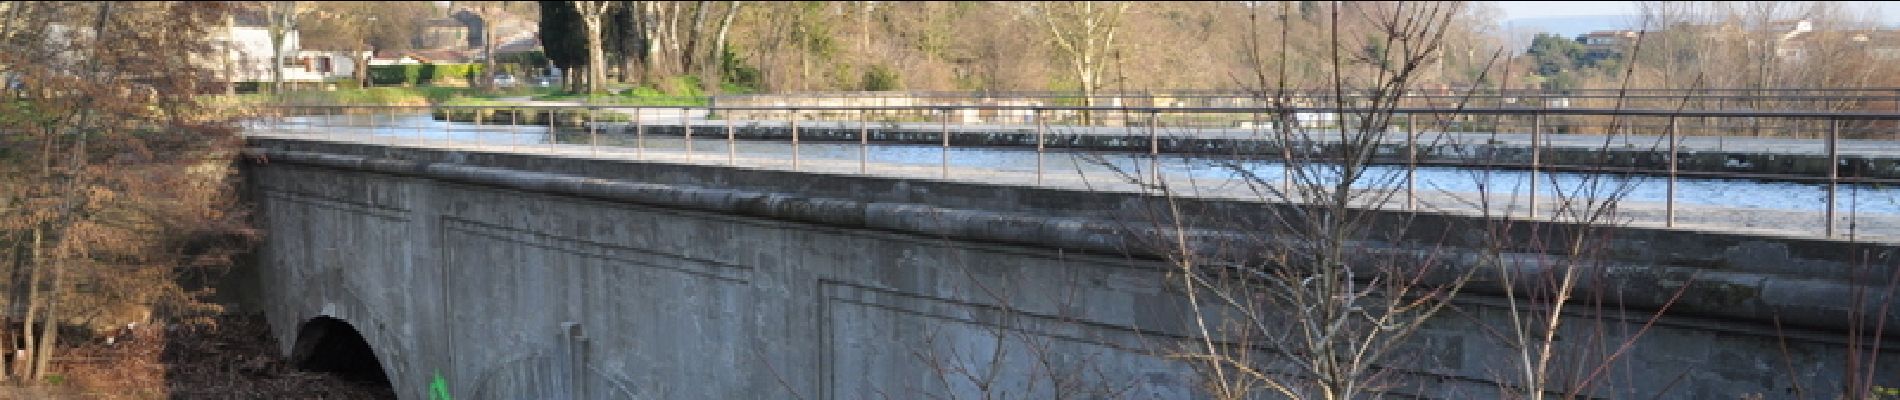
point(1727, 45)
point(1087, 46)
point(996, 46)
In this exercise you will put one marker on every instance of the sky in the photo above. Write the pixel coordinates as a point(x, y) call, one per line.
point(1533, 9)
point(1889, 10)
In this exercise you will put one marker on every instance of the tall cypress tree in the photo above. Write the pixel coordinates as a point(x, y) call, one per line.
point(562, 38)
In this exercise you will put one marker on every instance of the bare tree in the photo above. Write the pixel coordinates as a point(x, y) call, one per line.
point(96, 183)
point(488, 12)
point(1316, 316)
point(1084, 31)
point(342, 25)
point(283, 16)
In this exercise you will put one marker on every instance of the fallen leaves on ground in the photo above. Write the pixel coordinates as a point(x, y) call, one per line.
point(230, 357)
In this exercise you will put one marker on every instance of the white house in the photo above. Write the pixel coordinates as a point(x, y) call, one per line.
point(248, 50)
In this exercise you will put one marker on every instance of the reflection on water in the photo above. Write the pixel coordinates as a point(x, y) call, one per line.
point(1710, 192)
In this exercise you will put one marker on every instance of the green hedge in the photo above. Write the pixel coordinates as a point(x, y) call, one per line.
point(421, 74)
point(468, 72)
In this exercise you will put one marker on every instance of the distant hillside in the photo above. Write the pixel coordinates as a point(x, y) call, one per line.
point(1574, 25)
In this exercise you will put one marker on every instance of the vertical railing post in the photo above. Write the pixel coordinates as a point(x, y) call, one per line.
point(1537, 127)
point(479, 137)
point(1154, 144)
point(944, 165)
point(375, 123)
point(732, 141)
point(553, 132)
point(686, 126)
point(428, 115)
point(1411, 162)
point(1833, 169)
point(1669, 200)
point(1282, 129)
point(1040, 129)
point(793, 117)
point(639, 133)
point(864, 141)
point(330, 122)
point(1154, 136)
point(593, 135)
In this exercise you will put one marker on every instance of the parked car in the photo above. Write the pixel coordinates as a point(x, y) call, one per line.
point(504, 80)
point(545, 81)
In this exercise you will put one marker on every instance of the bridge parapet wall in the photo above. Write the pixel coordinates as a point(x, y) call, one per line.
point(524, 275)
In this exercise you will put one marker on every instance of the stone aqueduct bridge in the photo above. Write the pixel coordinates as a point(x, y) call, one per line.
point(496, 275)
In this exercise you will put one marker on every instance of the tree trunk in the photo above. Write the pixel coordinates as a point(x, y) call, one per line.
point(592, 12)
point(1088, 95)
point(277, 61)
point(15, 263)
point(596, 58)
point(362, 68)
point(633, 44)
point(49, 327)
point(32, 289)
point(567, 80)
point(282, 16)
point(689, 57)
point(671, 30)
point(488, 47)
point(653, 38)
point(230, 74)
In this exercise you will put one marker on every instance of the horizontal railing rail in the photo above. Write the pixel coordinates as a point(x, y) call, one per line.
point(1467, 111)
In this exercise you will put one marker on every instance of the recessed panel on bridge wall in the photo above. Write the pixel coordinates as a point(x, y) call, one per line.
point(650, 323)
point(908, 316)
point(886, 344)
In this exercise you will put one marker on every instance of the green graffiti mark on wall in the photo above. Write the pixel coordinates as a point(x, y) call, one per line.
point(439, 388)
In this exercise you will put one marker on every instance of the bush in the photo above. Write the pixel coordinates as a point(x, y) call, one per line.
point(684, 85)
point(734, 88)
point(644, 92)
point(422, 74)
point(737, 72)
point(402, 74)
point(881, 78)
point(444, 72)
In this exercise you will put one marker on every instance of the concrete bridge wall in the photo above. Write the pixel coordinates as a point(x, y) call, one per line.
point(508, 276)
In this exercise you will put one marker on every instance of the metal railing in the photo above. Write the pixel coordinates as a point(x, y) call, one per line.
point(1130, 138)
point(1884, 99)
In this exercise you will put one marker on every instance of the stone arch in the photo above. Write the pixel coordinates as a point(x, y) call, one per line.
point(328, 344)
